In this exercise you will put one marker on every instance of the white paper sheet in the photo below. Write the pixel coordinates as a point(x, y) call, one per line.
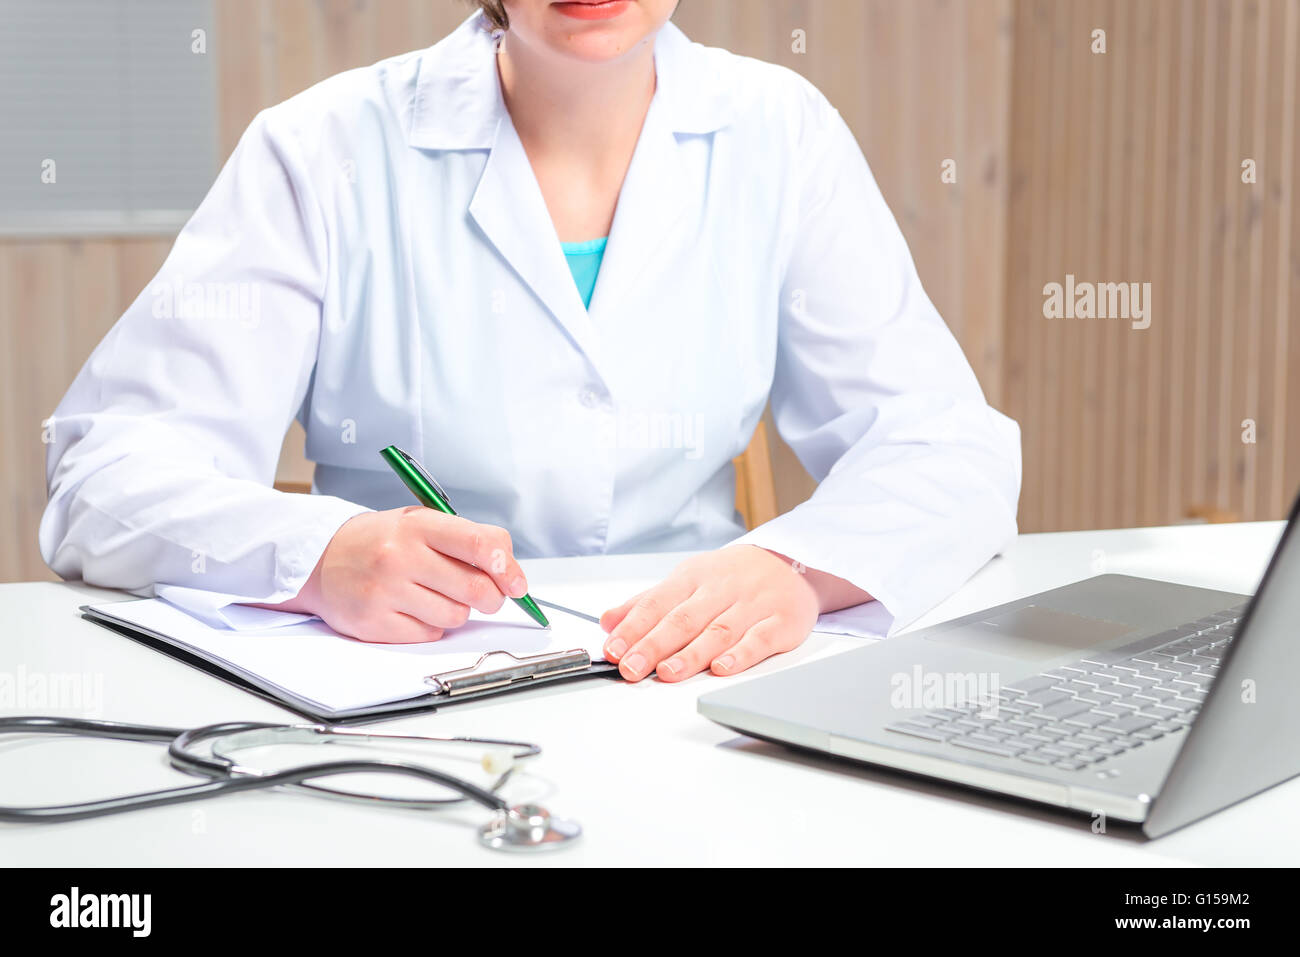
point(309, 661)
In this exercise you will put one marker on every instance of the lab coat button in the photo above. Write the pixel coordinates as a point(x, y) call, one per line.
point(589, 398)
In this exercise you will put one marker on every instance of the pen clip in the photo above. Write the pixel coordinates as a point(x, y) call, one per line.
point(424, 473)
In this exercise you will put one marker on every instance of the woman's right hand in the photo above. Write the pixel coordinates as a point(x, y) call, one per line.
point(408, 575)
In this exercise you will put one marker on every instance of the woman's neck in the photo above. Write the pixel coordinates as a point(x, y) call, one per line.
point(573, 108)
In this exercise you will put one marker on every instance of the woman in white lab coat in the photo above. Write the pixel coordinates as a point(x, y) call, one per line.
point(384, 257)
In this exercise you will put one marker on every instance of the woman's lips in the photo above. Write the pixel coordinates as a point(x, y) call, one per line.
point(592, 11)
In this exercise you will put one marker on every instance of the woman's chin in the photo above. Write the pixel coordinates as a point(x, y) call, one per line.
point(594, 47)
point(596, 41)
point(594, 50)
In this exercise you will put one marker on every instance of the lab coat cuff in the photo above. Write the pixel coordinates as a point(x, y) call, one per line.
point(318, 519)
point(296, 558)
point(872, 619)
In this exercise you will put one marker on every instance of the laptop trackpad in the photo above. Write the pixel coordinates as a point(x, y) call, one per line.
point(1032, 632)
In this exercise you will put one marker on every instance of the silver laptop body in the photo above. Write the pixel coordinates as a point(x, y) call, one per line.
point(1141, 700)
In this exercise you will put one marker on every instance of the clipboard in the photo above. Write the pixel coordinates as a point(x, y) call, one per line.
point(494, 674)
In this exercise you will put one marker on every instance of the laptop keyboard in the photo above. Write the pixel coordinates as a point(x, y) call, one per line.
point(1100, 706)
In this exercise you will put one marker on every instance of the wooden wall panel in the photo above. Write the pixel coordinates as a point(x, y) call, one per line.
point(1127, 168)
point(57, 299)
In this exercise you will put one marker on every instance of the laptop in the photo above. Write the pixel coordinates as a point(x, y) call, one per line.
point(1141, 700)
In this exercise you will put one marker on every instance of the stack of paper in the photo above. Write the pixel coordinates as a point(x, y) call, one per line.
point(306, 662)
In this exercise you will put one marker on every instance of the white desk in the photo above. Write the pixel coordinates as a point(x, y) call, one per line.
point(651, 781)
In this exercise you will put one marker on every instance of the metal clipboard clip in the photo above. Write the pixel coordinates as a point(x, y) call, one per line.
point(478, 678)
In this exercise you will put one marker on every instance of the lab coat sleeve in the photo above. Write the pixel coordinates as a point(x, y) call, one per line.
point(162, 454)
point(919, 477)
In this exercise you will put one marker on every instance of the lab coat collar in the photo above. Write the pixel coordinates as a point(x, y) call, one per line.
point(459, 106)
point(458, 102)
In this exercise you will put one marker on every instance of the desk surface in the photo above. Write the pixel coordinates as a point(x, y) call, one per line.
point(652, 782)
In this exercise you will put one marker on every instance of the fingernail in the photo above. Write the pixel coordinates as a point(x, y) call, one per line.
point(616, 647)
point(724, 663)
point(673, 665)
point(518, 588)
point(634, 663)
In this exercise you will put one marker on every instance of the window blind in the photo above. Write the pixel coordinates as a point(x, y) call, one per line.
point(107, 114)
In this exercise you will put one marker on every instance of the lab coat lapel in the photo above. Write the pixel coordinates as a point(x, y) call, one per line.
point(509, 208)
point(650, 203)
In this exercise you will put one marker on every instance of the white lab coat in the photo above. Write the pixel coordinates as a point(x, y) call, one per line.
point(376, 259)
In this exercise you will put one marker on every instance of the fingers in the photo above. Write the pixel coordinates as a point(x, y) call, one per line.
point(673, 632)
point(716, 638)
point(647, 610)
point(432, 607)
point(762, 640)
point(610, 619)
point(463, 584)
point(486, 547)
point(397, 629)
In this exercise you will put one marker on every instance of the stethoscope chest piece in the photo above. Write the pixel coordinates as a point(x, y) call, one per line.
point(528, 827)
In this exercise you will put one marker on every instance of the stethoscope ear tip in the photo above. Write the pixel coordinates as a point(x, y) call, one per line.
point(528, 827)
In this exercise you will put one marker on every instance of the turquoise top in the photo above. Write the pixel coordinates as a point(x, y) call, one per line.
point(584, 262)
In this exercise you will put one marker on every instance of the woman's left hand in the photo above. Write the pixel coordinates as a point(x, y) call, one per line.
point(724, 611)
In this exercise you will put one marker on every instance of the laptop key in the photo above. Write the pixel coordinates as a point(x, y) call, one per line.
point(1044, 697)
point(1159, 711)
point(1094, 681)
point(1030, 685)
point(1148, 670)
point(1063, 709)
point(919, 731)
point(1142, 681)
point(1061, 728)
point(1033, 757)
point(1094, 737)
point(1042, 737)
point(1128, 725)
point(929, 720)
point(1005, 749)
point(1121, 706)
point(1061, 674)
point(1009, 730)
point(1076, 687)
point(1055, 752)
point(1088, 719)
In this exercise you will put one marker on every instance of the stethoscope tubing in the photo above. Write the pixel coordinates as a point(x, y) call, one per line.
point(222, 783)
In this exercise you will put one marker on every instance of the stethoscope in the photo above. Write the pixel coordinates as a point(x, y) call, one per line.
point(524, 827)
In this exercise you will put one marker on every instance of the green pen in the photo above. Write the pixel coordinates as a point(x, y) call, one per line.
point(431, 495)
